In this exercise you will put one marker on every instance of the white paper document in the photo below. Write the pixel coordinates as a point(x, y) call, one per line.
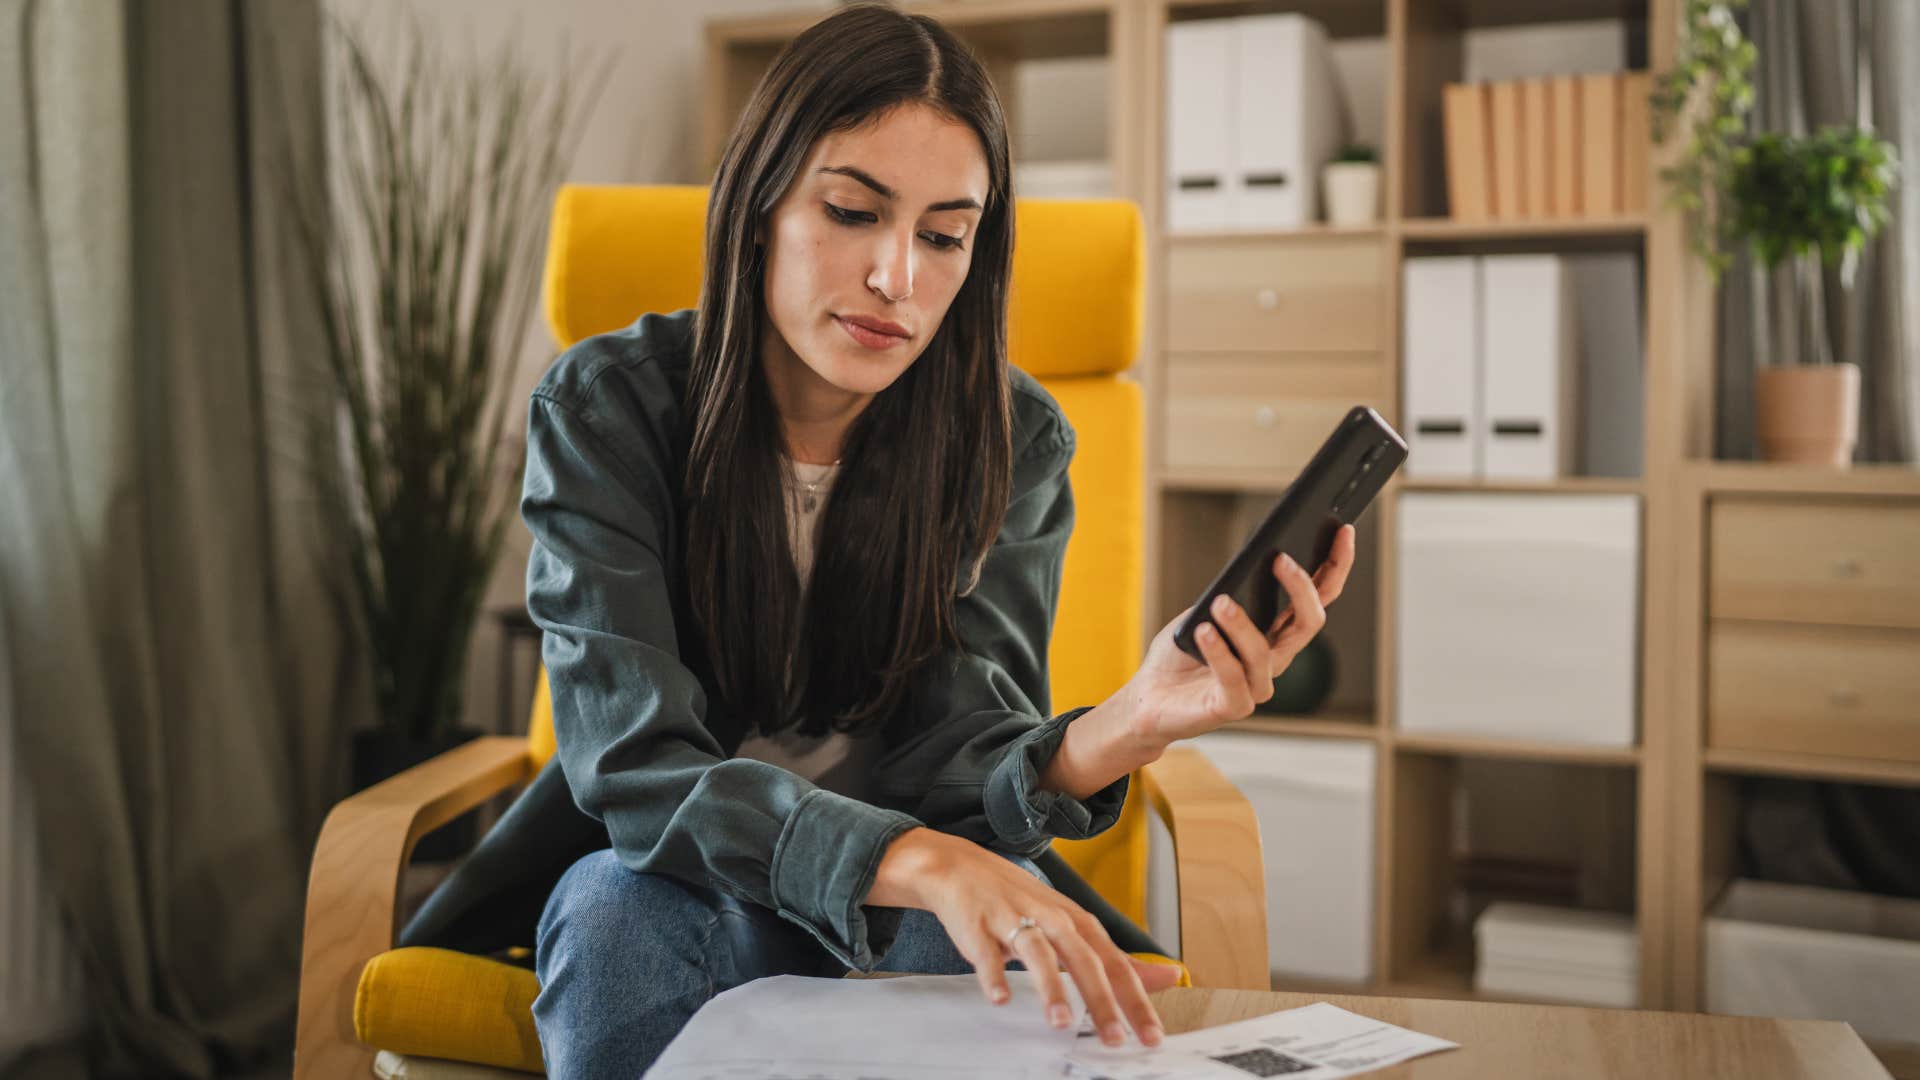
point(1315, 1042)
point(941, 1027)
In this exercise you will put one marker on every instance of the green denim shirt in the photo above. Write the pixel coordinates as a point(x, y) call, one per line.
point(643, 749)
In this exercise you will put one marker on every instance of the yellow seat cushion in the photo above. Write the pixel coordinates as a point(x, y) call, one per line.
point(442, 1004)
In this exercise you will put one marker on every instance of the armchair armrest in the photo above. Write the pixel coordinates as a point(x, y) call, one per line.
point(353, 890)
point(1217, 862)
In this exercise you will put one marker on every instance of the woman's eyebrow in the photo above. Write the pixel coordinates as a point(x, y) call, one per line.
point(886, 192)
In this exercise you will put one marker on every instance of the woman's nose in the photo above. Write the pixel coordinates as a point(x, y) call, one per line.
point(892, 274)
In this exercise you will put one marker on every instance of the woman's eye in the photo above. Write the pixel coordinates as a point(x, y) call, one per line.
point(857, 217)
point(848, 217)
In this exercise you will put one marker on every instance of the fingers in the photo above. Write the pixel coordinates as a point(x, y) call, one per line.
point(1227, 672)
point(1112, 992)
point(1154, 977)
point(1331, 578)
point(1250, 642)
point(1035, 950)
point(1306, 613)
point(989, 967)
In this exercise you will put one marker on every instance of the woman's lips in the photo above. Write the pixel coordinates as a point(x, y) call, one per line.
point(872, 339)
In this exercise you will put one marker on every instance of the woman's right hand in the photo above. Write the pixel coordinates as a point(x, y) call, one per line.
point(980, 899)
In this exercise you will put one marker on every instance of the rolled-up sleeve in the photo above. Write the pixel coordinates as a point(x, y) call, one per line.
point(974, 769)
point(629, 716)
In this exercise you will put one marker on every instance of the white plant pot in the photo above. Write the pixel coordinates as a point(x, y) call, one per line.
point(1352, 192)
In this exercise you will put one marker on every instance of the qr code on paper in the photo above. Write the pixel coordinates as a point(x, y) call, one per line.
point(1264, 1062)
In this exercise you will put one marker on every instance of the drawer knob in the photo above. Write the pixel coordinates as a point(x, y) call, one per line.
point(1268, 299)
point(1846, 566)
point(1843, 697)
point(1265, 417)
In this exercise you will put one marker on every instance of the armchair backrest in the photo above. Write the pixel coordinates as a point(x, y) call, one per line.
point(615, 253)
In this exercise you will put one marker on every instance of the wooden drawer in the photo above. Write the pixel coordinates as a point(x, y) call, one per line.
point(1309, 295)
point(1849, 562)
point(1267, 414)
point(1838, 691)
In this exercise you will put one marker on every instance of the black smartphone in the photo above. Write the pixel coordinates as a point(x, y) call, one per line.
point(1333, 490)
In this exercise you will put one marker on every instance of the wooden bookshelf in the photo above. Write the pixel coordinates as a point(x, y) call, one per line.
point(1684, 789)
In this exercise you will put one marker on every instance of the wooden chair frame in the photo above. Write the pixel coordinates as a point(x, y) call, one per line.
point(353, 894)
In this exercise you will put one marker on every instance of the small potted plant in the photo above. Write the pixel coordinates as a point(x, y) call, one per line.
point(1806, 202)
point(1351, 182)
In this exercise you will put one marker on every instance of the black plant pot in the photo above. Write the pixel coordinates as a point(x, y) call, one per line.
point(1308, 681)
point(379, 754)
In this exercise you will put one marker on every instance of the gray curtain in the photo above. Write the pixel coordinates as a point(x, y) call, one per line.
point(179, 668)
point(1806, 77)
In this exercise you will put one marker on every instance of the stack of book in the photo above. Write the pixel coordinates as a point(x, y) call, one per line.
point(1572, 146)
point(1557, 954)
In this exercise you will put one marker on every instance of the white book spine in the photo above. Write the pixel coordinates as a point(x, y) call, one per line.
point(1528, 369)
point(1200, 119)
point(1441, 356)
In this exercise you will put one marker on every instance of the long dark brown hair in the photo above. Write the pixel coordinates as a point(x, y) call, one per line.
point(925, 469)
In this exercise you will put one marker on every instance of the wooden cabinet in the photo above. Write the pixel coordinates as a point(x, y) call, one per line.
point(1263, 410)
point(1837, 562)
point(1807, 689)
point(1268, 295)
point(1813, 639)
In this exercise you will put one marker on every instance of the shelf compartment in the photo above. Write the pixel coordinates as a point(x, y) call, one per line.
point(1201, 530)
point(1566, 485)
point(1226, 481)
point(1812, 766)
point(1319, 725)
point(1317, 231)
point(1476, 14)
point(1017, 29)
point(1342, 18)
point(1765, 478)
point(1630, 226)
point(1468, 832)
point(1514, 749)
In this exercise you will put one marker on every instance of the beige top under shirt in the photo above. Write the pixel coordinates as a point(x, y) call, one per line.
point(835, 761)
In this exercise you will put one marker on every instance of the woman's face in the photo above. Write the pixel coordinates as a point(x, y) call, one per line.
point(877, 228)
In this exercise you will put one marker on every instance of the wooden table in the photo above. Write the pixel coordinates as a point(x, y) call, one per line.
point(1500, 1040)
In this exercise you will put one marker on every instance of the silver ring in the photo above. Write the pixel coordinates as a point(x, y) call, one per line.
point(1026, 923)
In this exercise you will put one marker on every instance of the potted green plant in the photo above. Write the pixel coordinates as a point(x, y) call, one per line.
point(1351, 186)
point(1807, 202)
point(422, 245)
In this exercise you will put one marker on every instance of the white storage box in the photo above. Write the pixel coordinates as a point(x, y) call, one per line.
point(1254, 108)
point(1519, 616)
point(1559, 954)
point(1816, 954)
point(1314, 799)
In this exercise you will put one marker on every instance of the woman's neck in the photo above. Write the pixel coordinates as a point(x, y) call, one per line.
point(814, 414)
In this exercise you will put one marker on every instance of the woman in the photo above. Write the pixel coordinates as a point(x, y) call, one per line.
point(796, 555)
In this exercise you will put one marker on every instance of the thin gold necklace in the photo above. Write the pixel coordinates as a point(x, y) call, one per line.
point(812, 498)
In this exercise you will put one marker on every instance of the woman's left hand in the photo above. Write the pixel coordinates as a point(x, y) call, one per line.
point(1176, 697)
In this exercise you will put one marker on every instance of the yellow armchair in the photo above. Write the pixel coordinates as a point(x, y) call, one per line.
point(615, 253)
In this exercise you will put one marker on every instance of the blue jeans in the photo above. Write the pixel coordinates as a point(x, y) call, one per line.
point(624, 959)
